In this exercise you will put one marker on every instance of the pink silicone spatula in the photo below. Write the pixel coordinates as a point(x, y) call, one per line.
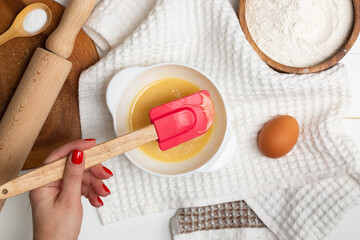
point(172, 124)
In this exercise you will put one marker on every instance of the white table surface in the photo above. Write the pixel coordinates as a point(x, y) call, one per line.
point(16, 222)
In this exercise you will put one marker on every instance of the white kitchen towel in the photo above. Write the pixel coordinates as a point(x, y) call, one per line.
point(309, 212)
point(229, 234)
point(206, 34)
point(114, 20)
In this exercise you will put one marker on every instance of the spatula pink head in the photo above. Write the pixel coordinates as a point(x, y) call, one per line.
point(208, 109)
point(184, 119)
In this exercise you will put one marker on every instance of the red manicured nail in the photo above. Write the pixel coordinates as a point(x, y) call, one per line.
point(100, 201)
point(77, 157)
point(90, 139)
point(106, 189)
point(108, 171)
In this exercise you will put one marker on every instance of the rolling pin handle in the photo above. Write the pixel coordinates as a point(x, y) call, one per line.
point(62, 40)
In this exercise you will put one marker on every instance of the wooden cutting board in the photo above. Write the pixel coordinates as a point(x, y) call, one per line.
point(63, 122)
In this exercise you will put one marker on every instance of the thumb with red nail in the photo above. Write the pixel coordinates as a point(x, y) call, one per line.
point(56, 207)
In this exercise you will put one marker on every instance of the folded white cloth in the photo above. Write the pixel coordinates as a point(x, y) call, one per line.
point(113, 21)
point(229, 234)
point(207, 35)
point(309, 212)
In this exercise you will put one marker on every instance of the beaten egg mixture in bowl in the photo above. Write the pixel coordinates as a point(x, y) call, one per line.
point(134, 91)
point(158, 93)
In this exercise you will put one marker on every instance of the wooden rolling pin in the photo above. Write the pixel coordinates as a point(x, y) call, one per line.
point(38, 90)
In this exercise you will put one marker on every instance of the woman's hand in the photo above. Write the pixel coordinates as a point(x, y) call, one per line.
point(56, 207)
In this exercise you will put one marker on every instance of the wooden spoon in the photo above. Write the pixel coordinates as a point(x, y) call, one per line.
point(17, 28)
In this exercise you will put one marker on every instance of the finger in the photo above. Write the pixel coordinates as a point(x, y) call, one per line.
point(96, 184)
point(89, 193)
point(101, 189)
point(101, 172)
point(85, 190)
point(82, 144)
point(73, 174)
point(87, 178)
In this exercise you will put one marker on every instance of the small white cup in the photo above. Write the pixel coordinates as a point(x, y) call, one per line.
point(127, 84)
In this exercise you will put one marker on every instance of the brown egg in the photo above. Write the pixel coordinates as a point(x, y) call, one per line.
point(278, 136)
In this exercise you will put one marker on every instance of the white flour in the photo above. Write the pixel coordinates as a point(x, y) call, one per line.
point(299, 33)
point(35, 21)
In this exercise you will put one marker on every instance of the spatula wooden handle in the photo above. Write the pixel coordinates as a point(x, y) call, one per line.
point(98, 154)
point(61, 41)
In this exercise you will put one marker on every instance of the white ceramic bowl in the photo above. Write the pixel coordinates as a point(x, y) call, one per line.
point(127, 84)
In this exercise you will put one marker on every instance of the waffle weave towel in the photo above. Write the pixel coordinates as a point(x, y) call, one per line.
point(207, 35)
point(309, 212)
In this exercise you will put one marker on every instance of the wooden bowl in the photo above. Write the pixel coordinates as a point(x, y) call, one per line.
point(317, 68)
